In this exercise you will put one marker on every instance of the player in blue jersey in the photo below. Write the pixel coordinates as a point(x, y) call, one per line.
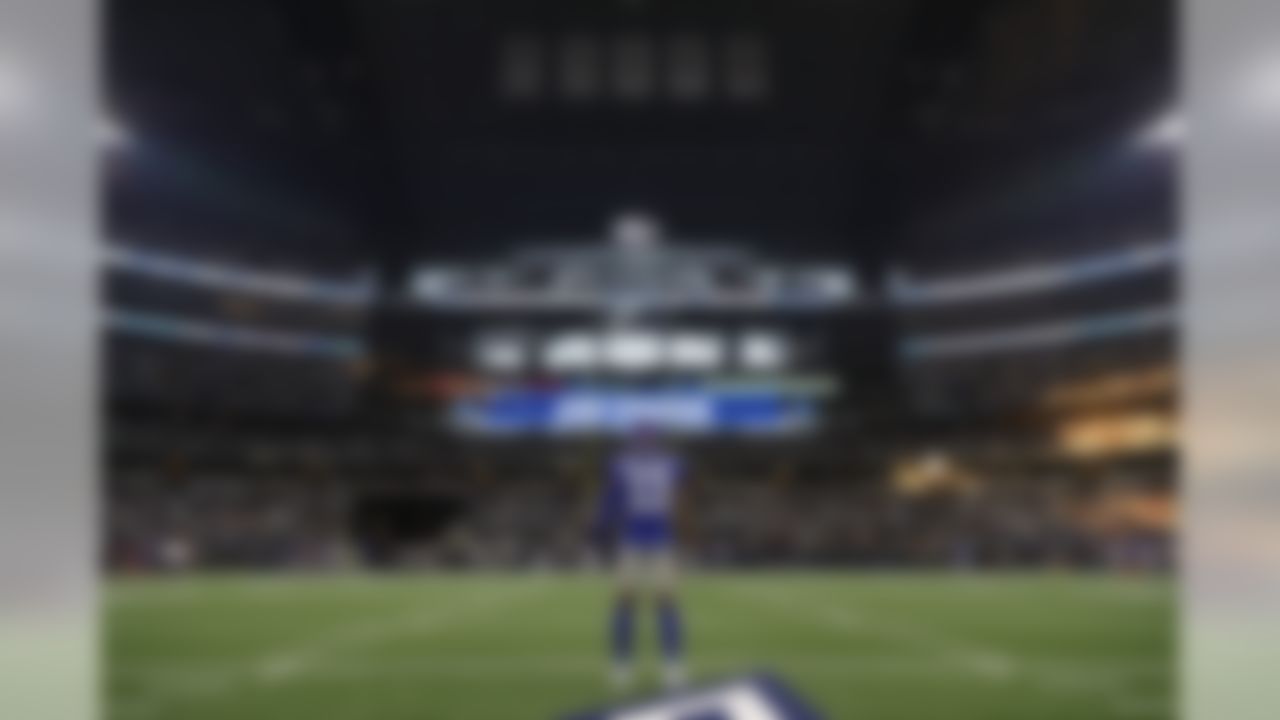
point(636, 519)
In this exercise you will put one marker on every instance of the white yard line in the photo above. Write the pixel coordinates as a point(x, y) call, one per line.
point(588, 662)
point(984, 661)
point(287, 663)
point(1132, 704)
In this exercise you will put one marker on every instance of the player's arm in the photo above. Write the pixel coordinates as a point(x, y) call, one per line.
point(686, 527)
point(608, 512)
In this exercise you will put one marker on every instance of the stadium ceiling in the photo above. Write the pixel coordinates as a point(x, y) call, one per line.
point(390, 130)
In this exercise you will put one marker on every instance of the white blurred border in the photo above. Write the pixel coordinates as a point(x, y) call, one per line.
point(48, 632)
point(1231, 550)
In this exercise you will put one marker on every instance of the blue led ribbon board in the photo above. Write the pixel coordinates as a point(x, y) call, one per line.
point(613, 411)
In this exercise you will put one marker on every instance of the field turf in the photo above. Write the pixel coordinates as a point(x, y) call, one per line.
point(496, 647)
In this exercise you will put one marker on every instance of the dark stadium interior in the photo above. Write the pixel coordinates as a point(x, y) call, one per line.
point(349, 142)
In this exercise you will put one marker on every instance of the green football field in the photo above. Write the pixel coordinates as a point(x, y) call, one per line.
point(859, 646)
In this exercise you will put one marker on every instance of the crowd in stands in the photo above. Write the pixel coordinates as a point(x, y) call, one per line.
point(231, 520)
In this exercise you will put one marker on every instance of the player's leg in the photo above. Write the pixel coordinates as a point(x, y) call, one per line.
point(622, 622)
point(670, 622)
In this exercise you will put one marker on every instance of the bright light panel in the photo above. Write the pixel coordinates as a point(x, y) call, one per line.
point(834, 283)
point(633, 350)
point(572, 352)
point(635, 231)
point(502, 353)
point(695, 351)
point(435, 283)
point(763, 351)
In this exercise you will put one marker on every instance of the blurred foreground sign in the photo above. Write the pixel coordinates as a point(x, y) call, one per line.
point(756, 697)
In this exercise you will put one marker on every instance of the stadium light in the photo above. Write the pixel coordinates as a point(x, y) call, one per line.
point(763, 351)
point(695, 351)
point(1165, 132)
point(835, 284)
point(633, 351)
point(435, 284)
point(568, 352)
point(935, 463)
point(635, 231)
point(504, 353)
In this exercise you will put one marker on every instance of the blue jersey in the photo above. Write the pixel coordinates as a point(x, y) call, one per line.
point(640, 499)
